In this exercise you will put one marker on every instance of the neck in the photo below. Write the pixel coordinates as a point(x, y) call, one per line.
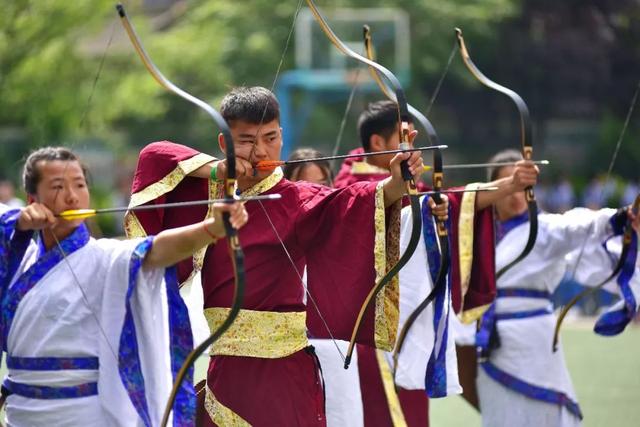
point(376, 161)
point(50, 238)
point(505, 216)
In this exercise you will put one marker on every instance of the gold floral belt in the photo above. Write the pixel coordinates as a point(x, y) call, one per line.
point(266, 334)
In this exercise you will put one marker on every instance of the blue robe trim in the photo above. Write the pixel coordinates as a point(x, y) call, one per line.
point(436, 375)
point(504, 227)
point(52, 363)
point(45, 392)
point(487, 337)
point(129, 365)
point(614, 322)
point(531, 391)
point(523, 293)
point(184, 408)
point(27, 280)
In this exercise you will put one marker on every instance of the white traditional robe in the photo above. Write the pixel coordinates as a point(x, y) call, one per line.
point(77, 310)
point(525, 351)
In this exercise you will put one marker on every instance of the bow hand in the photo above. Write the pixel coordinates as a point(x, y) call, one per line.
point(36, 216)
point(395, 186)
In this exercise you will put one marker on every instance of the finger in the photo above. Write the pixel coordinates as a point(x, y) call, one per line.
point(412, 136)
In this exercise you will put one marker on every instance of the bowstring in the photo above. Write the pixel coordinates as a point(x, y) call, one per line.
point(607, 178)
point(275, 231)
point(436, 91)
point(84, 116)
point(343, 122)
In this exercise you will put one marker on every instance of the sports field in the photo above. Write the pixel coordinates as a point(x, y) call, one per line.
point(605, 373)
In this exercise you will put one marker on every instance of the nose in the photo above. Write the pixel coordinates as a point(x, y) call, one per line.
point(71, 196)
point(259, 151)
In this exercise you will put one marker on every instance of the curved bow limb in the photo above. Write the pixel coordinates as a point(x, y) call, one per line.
point(525, 141)
point(403, 129)
point(626, 246)
point(237, 256)
point(440, 281)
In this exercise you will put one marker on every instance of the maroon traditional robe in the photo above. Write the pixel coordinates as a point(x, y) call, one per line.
point(334, 233)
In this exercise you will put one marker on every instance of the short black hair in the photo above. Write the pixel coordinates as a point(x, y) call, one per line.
point(256, 105)
point(292, 170)
point(31, 172)
point(505, 156)
point(380, 118)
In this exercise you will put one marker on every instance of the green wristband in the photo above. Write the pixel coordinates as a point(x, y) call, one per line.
point(214, 173)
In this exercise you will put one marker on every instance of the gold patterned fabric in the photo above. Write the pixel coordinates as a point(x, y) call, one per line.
point(364, 168)
point(386, 254)
point(397, 416)
point(220, 414)
point(132, 226)
point(265, 334)
point(266, 184)
point(465, 236)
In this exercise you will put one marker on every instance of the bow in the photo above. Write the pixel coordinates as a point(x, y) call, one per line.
point(403, 129)
point(440, 281)
point(237, 257)
point(525, 140)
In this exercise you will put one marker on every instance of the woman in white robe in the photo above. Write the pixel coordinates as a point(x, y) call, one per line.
point(93, 335)
point(521, 380)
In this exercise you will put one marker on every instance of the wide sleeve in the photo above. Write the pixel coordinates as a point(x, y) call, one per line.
point(147, 327)
point(473, 281)
point(161, 176)
point(13, 246)
point(350, 241)
point(594, 264)
point(425, 362)
point(574, 229)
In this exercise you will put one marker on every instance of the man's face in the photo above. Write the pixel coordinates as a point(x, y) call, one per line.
point(255, 142)
point(62, 186)
point(391, 143)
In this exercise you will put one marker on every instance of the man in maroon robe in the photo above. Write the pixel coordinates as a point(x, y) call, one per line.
point(262, 371)
point(473, 288)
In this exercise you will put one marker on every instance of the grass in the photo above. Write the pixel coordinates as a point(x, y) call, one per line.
point(605, 373)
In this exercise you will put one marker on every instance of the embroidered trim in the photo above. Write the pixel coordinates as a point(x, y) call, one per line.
point(45, 392)
point(37, 271)
point(129, 364)
point(220, 414)
point(522, 293)
point(52, 363)
point(132, 226)
point(386, 254)
point(466, 224)
point(522, 314)
point(532, 391)
point(397, 416)
point(180, 345)
point(364, 168)
point(469, 316)
point(266, 334)
point(266, 184)
point(169, 181)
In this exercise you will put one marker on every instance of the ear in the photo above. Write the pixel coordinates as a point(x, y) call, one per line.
point(222, 143)
point(377, 143)
point(31, 198)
